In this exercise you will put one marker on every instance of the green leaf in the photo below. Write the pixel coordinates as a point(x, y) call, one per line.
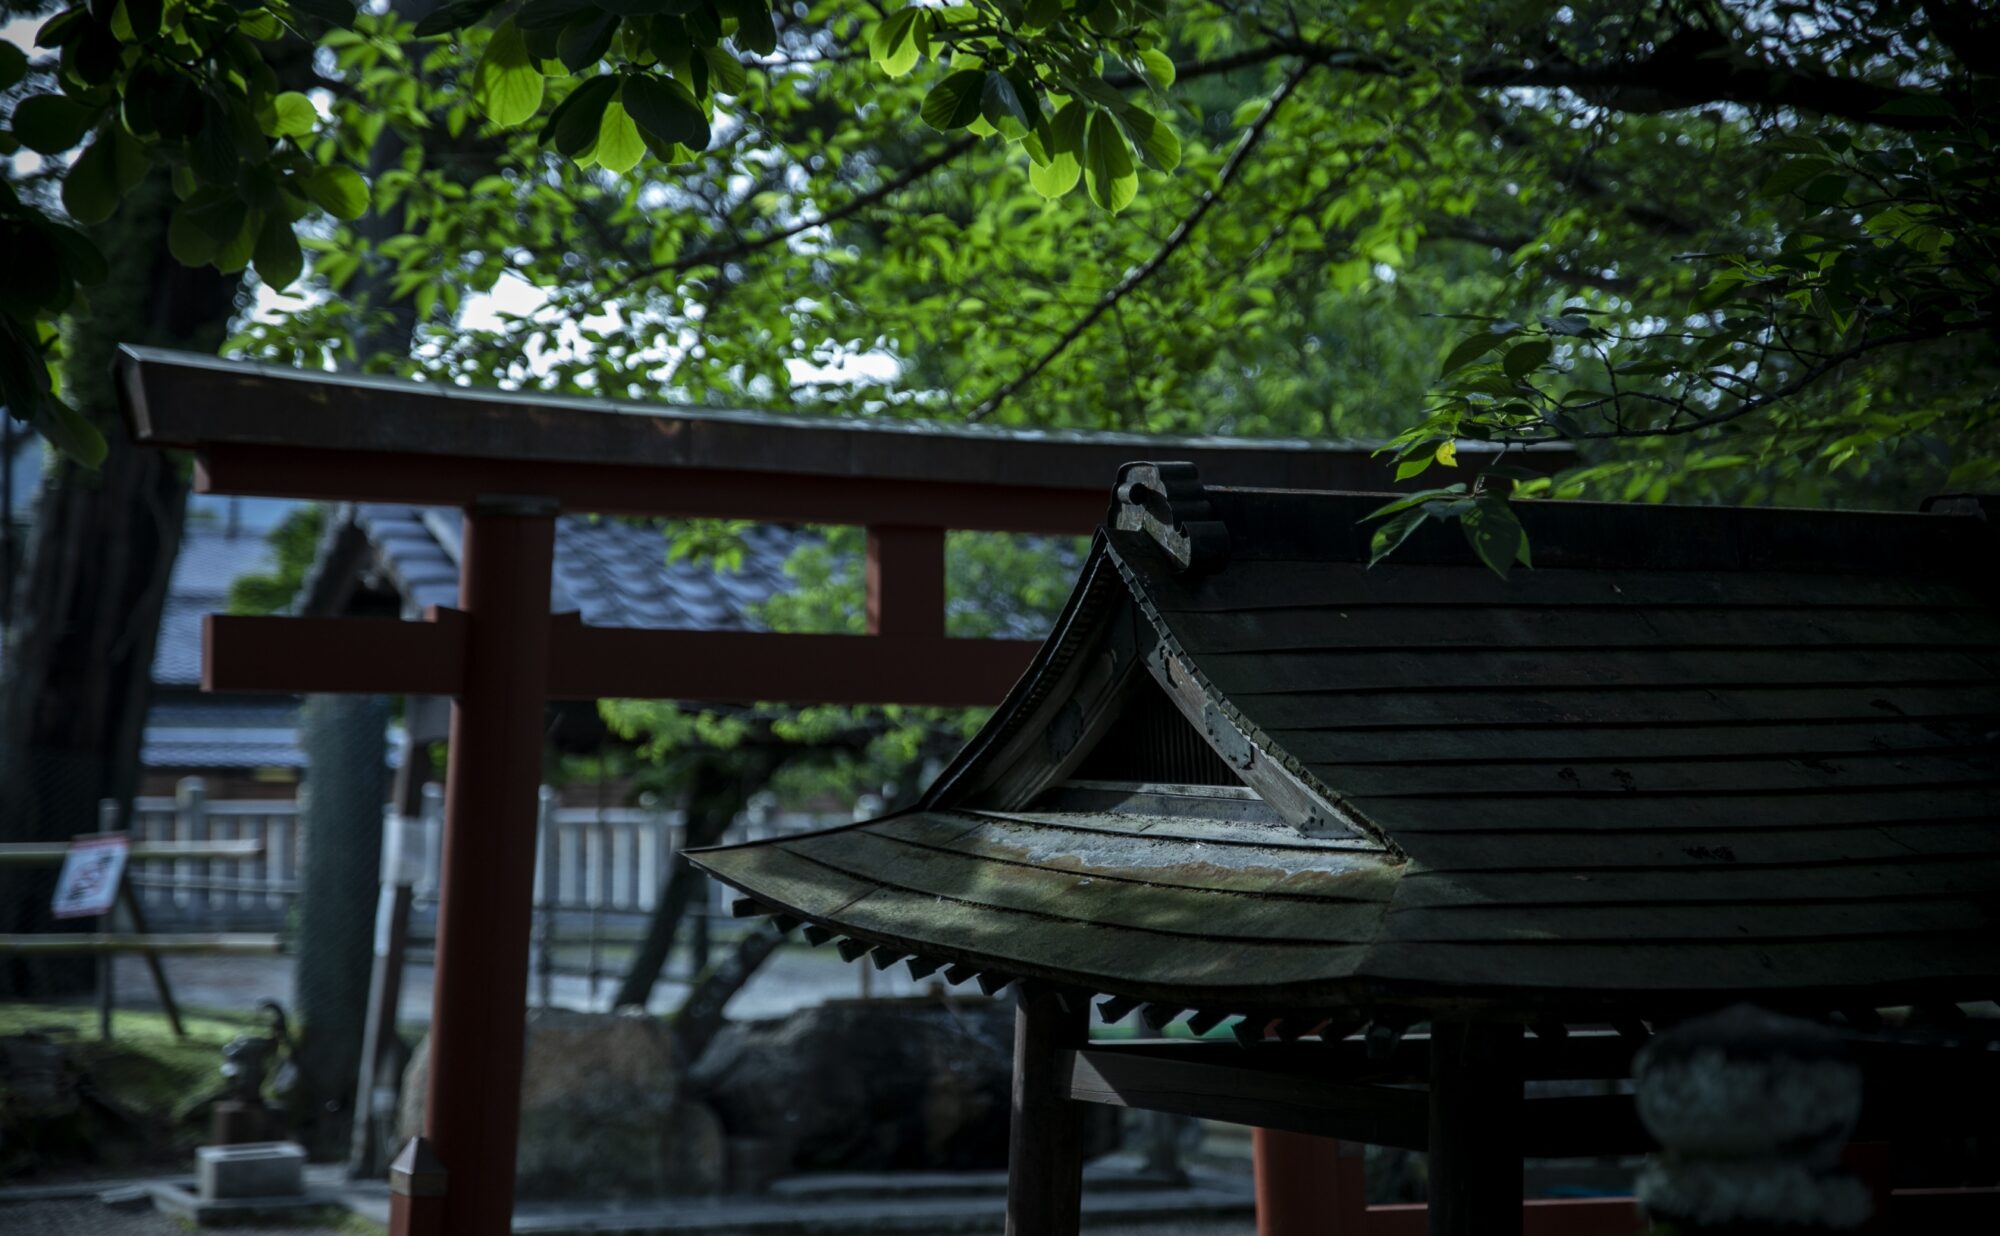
point(1826, 190)
point(1526, 357)
point(277, 255)
point(1567, 323)
point(454, 16)
point(13, 66)
point(293, 115)
point(893, 45)
point(755, 31)
point(71, 432)
point(1155, 138)
point(1495, 533)
point(81, 259)
point(619, 146)
point(1419, 498)
point(1108, 170)
point(37, 281)
point(187, 239)
point(954, 102)
point(1066, 129)
point(1057, 177)
point(1001, 105)
point(235, 252)
point(1470, 349)
point(573, 125)
point(51, 123)
point(1793, 143)
point(507, 84)
point(60, 30)
point(1395, 532)
point(725, 72)
point(331, 12)
point(585, 39)
point(1041, 14)
point(1917, 105)
point(1158, 67)
point(664, 107)
point(551, 14)
point(340, 191)
point(1793, 173)
point(90, 190)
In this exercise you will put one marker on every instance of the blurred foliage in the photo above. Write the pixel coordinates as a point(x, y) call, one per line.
point(294, 546)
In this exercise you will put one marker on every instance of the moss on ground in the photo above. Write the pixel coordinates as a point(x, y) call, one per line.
point(144, 1072)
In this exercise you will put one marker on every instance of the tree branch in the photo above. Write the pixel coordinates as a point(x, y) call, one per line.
point(746, 246)
point(751, 244)
point(1474, 235)
point(1151, 266)
point(1680, 74)
point(1696, 424)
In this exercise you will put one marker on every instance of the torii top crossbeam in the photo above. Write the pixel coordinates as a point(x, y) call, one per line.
point(512, 461)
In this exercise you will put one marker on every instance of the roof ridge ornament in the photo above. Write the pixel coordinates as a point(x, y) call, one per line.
point(1166, 502)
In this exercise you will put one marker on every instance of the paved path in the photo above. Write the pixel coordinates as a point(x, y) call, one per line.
point(795, 977)
point(88, 1218)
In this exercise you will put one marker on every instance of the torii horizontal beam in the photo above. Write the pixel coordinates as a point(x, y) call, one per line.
point(382, 657)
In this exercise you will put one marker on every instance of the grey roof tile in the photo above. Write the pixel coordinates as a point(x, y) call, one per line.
point(611, 572)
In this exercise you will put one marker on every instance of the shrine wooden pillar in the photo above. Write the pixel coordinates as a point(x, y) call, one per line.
point(472, 1105)
point(1308, 1185)
point(1475, 1129)
point(1045, 1142)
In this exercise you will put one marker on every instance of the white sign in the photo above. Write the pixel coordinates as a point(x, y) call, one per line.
point(91, 871)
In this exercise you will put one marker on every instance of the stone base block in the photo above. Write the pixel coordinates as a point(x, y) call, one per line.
point(250, 1170)
point(235, 1211)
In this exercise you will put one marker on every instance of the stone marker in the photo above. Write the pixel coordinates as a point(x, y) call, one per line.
point(874, 1085)
point(250, 1169)
point(603, 1112)
point(1751, 1110)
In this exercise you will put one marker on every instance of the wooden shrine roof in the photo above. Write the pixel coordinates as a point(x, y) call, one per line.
point(1695, 754)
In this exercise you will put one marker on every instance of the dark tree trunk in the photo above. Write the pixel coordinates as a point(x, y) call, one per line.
point(347, 784)
point(699, 1018)
point(76, 675)
point(721, 787)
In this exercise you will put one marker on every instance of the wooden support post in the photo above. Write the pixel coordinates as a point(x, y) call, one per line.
point(417, 1190)
point(1045, 1152)
point(106, 976)
point(550, 841)
point(1308, 1186)
point(906, 581)
point(107, 963)
point(478, 1004)
point(401, 862)
point(1475, 1124)
point(153, 966)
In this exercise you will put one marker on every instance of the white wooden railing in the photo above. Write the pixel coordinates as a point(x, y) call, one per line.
point(607, 860)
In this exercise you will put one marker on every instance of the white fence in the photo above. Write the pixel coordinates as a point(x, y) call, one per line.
point(608, 860)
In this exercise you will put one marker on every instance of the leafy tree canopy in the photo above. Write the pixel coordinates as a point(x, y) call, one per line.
point(1763, 229)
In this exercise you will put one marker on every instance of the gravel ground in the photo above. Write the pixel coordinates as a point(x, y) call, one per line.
point(91, 1218)
point(88, 1218)
point(795, 977)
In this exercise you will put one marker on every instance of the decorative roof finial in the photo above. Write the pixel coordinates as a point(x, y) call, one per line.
point(1167, 503)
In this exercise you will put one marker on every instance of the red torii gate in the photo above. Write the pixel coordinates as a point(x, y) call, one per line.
point(511, 462)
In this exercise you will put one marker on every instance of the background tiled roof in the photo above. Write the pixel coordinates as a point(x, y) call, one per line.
point(211, 558)
point(234, 733)
point(611, 572)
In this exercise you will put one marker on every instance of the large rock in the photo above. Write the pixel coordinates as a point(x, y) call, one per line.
point(602, 1112)
point(873, 1086)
